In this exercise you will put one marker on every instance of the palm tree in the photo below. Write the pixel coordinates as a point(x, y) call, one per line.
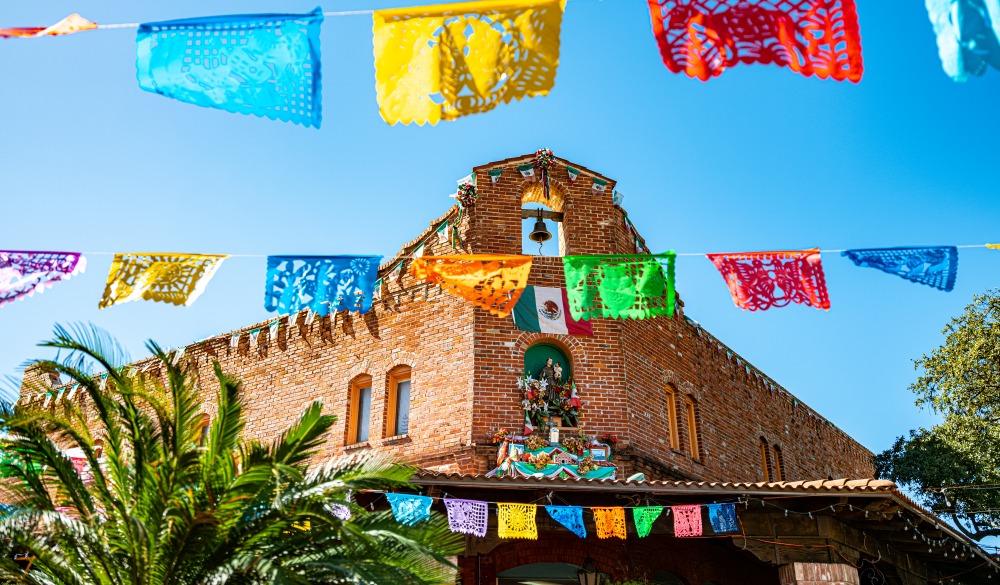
point(166, 505)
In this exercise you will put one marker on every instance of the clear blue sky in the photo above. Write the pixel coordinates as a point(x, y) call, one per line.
point(758, 159)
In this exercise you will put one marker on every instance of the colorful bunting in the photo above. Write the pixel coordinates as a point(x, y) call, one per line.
point(418, 252)
point(377, 295)
point(934, 266)
point(569, 516)
point(723, 517)
point(968, 35)
point(178, 279)
point(527, 171)
point(633, 287)
point(546, 310)
point(234, 341)
point(467, 516)
point(321, 283)
point(495, 175)
point(762, 280)
point(517, 521)
point(71, 24)
point(572, 173)
point(687, 520)
point(993, 246)
point(610, 522)
point(253, 337)
point(272, 330)
point(23, 273)
point(599, 185)
point(410, 509)
point(262, 64)
point(703, 38)
point(340, 511)
point(617, 198)
point(442, 232)
point(445, 61)
point(644, 516)
point(492, 283)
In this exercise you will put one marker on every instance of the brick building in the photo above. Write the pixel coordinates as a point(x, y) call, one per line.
point(428, 378)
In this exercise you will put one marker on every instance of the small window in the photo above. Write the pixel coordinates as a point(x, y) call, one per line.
point(765, 459)
point(779, 465)
point(358, 416)
point(398, 414)
point(692, 424)
point(671, 398)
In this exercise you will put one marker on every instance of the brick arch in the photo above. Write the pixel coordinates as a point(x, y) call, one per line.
point(534, 192)
point(558, 550)
point(571, 346)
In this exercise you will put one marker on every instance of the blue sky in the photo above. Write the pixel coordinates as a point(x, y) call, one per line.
point(760, 158)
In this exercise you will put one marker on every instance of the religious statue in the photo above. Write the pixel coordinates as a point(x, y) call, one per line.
point(557, 369)
point(548, 375)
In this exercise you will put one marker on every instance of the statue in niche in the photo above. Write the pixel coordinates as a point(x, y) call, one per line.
point(548, 375)
point(557, 370)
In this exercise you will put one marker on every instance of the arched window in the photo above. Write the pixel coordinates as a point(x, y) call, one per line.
point(673, 432)
point(530, 216)
point(398, 404)
point(779, 465)
point(765, 459)
point(692, 425)
point(359, 410)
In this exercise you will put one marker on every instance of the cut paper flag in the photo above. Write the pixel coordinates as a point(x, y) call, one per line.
point(527, 171)
point(446, 61)
point(272, 330)
point(573, 174)
point(644, 516)
point(234, 341)
point(469, 179)
point(418, 252)
point(178, 279)
point(617, 197)
point(723, 517)
point(467, 516)
point(320, 283)
point(620, 287)
point(517, 521)
point(599, 185)
point(759, 281)
point(442, 232)
point(267, 65)
point(934, 266)
point(410, 509)
point(610, 522)
point(569, 516)
point(687, 520)
point(968, 35)
point(546, 310)
point(24, 273)
point(377, 295)
point(492, 283)
point(495, 175)
point(253, 337)
point(703, 38)
point(69, 25)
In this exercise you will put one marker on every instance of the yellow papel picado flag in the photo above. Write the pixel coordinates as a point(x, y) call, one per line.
point(178, 279)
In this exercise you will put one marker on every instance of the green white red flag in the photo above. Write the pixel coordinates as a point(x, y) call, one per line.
point(546, 310)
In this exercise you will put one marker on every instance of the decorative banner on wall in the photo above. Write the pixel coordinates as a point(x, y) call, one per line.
point(703, 38)
point(599, 185)
point(527, 171)
point(320, 283)
point(644, 516)
point(467, 516)
point(23, 273)
point(723, 517)
point(572, 173)
point(620, 287)
point(610, 522)
point(762, 280)
point(495, 175)
point(427, 68)
point(410, 509)
point(262, 64)
point(546, 310)
point(934, 266)
point(968, 35)
point(71, 24)
point(492, 283)
point(517, 521)
point(178, 279)
point(687, 520)
point(442, 232)
point(569, 516)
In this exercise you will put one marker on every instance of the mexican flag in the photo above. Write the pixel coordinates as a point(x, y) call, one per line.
point(546, 310)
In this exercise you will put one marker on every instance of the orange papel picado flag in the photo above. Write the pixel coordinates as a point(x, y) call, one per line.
point(177, 279)
point(446, 61)
point(71, 24)
point(492, 283)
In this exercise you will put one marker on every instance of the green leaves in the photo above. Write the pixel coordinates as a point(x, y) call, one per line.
point(164, 508)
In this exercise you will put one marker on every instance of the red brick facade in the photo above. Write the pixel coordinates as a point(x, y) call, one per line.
point(465, 362)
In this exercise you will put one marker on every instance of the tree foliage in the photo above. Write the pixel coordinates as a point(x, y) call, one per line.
point(168, 507)
point(960, 381)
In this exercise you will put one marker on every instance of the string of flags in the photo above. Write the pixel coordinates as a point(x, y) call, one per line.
point(471, 517)
point(445, 61)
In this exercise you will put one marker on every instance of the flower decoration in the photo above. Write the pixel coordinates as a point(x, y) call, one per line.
point(466, 195)
point(542, 460)
point(543, 160)
point(610, 439)
point(586, 465)
point(573, 445)
point(499, 436)
point(534, 443)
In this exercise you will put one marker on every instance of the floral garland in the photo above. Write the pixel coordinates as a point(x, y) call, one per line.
point(543, 161)
point(466, 197)
point(537, 409)
point(499, 436)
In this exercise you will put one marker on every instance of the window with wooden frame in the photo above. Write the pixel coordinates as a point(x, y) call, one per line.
point(691, 406)
point(765, 459)
point(779, 465)
point(398, 404)
point(671, 398)
point(359, 410)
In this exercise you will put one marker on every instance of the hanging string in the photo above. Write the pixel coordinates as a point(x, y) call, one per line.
point(327, 14)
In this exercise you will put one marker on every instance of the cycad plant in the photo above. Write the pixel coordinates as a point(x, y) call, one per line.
point(169, 504)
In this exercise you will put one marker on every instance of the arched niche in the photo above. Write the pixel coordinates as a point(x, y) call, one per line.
point(535, 356)
point(534, 192)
